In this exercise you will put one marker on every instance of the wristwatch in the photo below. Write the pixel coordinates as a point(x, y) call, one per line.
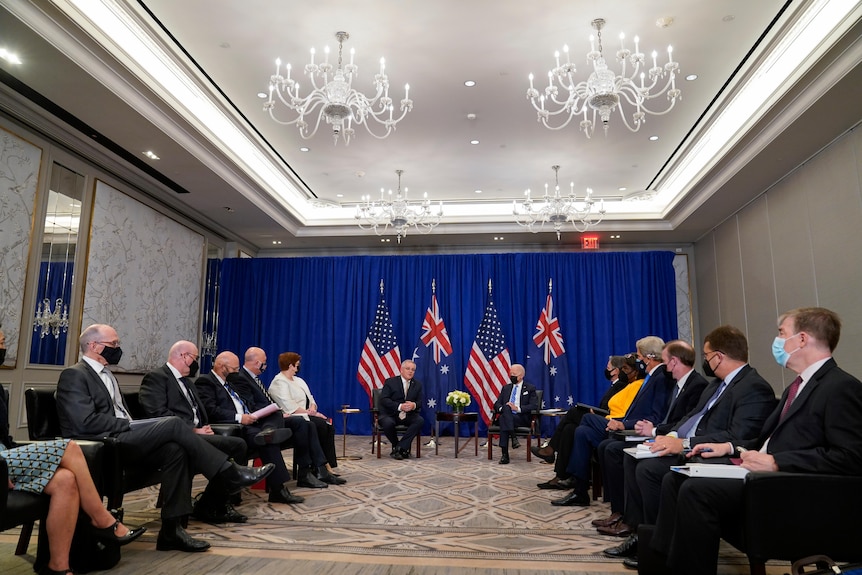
point(686, 444)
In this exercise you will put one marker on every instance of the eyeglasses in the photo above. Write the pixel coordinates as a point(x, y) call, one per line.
point(194, 357)
point(115, 343)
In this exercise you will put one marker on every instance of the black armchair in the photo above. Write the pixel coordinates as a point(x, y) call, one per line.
point(111, 476)
point(19, 508)
point(788, 516)
point(528, 432)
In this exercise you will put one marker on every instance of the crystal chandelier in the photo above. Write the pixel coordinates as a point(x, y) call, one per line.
point(397, 213)
point(603, 92)
point(334, 100)
point(51, 321)
point(557, 209)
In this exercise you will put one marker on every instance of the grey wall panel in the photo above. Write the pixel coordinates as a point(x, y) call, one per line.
point(728, 265)
point(709, 312)
point(759, 281)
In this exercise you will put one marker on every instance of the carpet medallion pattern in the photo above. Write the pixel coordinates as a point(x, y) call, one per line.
point(434, 506)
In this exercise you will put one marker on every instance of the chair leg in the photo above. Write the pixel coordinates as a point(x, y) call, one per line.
point(378, 445)
point(24, 538)
point(419, 446)
point(529, 447)
point(490, 455)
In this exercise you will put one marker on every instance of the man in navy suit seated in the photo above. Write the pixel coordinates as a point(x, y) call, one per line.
point(513, 407)
point(400, 402)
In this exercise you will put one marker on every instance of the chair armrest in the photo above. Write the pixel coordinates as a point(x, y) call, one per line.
point(227, 429)
point(792, 515)
point(4, 485)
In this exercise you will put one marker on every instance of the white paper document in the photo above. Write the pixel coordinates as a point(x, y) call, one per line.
point(711, 470)
point(640, 452)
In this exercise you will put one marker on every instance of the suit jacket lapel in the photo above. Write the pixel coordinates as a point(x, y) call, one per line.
point(96, 381)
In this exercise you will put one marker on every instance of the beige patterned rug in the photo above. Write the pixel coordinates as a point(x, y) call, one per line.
point(435, 506)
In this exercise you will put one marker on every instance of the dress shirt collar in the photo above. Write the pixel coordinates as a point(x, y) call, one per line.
point(175, 371)
point(733, 374)
point(681, 381)
point(809, 372)
point(97, 367)
point(652, 371)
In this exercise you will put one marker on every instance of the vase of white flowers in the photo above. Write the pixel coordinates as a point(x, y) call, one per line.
point(458, 400)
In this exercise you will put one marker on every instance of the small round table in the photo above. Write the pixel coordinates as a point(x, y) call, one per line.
point(345, 411)
point(457, 418)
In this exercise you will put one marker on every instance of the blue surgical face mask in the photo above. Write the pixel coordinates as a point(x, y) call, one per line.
point(781, 356)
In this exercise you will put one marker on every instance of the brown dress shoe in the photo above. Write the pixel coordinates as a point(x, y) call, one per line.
point(607, 520)
point(618, 529)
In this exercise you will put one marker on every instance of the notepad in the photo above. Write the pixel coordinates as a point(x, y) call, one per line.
point(264, 411)
point(719, 470)
point(640, 452)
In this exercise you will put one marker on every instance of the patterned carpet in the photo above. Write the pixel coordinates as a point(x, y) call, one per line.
point(435, 506)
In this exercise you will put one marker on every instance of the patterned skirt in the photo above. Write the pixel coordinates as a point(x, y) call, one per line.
point(32, 466)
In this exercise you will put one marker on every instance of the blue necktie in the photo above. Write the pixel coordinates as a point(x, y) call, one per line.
point(514, 393)
point(236, 397)
point(690, 426)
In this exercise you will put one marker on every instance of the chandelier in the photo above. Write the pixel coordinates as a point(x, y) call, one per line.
point(334, 100)
point(51, 321)
point(603, 92)
point(557, 209)
point(397, 213)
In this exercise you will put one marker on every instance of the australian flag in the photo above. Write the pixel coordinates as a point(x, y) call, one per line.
point(433, 357)
point(547, 364)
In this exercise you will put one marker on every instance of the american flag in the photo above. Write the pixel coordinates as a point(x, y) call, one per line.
point(380, 358)
point(489, 365)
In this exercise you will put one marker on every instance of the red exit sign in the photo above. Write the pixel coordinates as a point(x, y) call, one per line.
point(589, 242)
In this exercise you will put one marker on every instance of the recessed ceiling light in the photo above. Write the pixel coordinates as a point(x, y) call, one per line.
point(261, 95)
point(339, 195)
point(304, 149)
point(474, 142)
point(469, 83)
point(10, 57)
point(471, 116)
point(691, 77)
point(653, 138)
point(385, 240)
point(622, 189)
point(615, 237)
point(477, 191)
point(498, 238)
point(151, 155)
point(276, 242)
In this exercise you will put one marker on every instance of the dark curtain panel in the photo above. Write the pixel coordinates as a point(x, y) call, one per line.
point(55, 281)
point(322, 307)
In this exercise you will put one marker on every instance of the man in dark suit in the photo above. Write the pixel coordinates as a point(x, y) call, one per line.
point(168, 390)
point(649, 404)
point(400, 402)
point(308, 454)
point(815, 428)
point(516, 401)
point(89, 403)
point(266, 433)
point(733, 407)
point(678, 359)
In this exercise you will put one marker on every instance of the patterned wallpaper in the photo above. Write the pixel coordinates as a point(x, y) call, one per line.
point(683, 299)
point(19, 176)
point(144, 278)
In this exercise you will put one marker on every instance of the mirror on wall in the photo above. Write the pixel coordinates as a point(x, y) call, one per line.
point(56, 266)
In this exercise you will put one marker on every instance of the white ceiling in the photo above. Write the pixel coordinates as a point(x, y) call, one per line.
point(226, 50)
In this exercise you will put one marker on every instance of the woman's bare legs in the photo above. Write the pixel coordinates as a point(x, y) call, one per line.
point(62, 517)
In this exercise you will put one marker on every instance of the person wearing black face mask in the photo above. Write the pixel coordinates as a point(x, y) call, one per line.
point(168, 390)
point(89, 403)
point(512, 408)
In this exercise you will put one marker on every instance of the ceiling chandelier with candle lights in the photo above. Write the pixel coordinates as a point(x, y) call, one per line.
point(556, 209)
point(334, 100)
point(597, 97)
point(397, 213)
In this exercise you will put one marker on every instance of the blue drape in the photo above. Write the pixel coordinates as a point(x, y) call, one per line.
point(55, 281)
point(321, 308)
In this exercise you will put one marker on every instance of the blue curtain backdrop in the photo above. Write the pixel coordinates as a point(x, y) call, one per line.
point(321, 308)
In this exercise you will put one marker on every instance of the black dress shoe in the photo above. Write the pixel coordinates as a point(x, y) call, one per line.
point(504, 459)
point(628, 548)
point(309, 480)
point(110, 534)
point(231, 515)
point(541, 453)
point(395, 454)
point(331, 479)
point(172, 537)
point(631, 563)
point(284, 496)
point(573, 498)
point(236, 476)
point(515, 443)
point(405, 454)
point(272, 435)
